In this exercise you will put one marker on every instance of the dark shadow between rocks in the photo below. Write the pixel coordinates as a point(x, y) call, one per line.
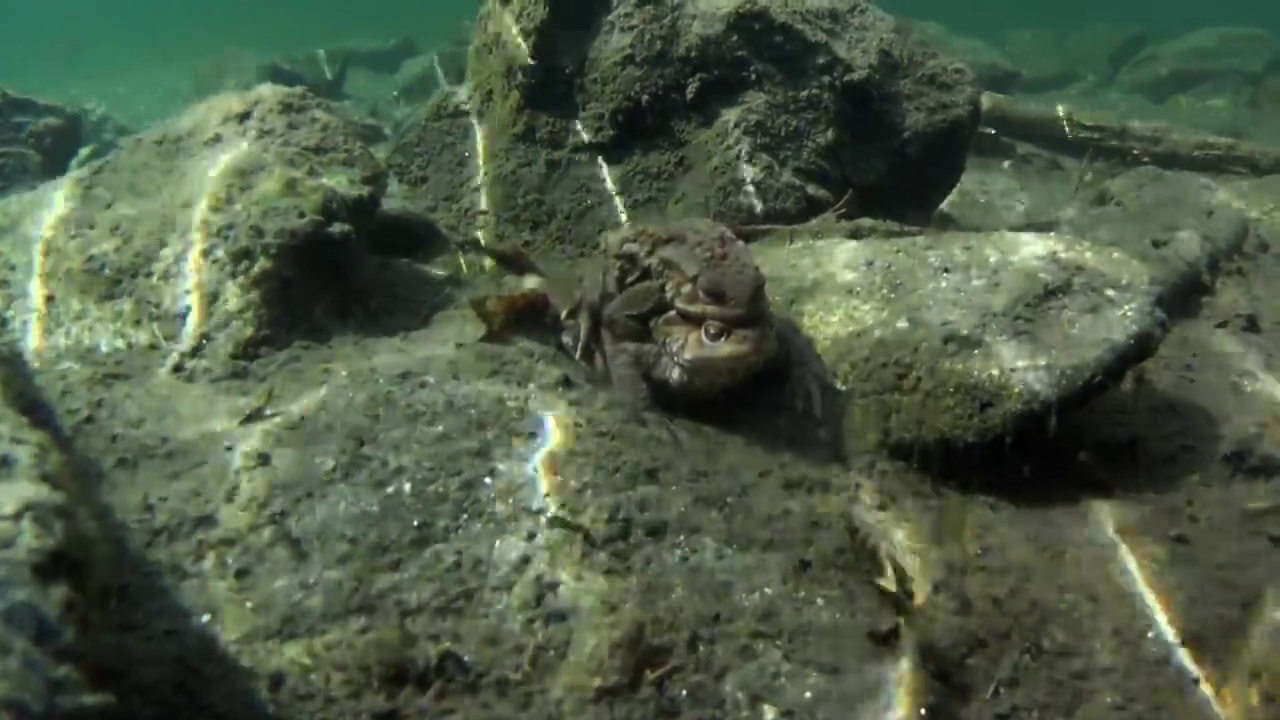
point(763, 415)
point(135, 640)
point(395, 290)
point(143, 648)
point(397, 232)
point(371, 296)
point(1132, 440)
point(391, 297)
point(379, 285)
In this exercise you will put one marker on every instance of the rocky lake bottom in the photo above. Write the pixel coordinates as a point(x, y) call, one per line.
point(258, 462)
point(385, 517)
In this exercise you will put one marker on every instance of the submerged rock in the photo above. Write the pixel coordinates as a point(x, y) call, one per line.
point(1182, 226)
point(210, 237)
point(1102, 50)
point(1052, 61)
point(102, 135)
point(1228, 61)
point(384, 57)
point(38, 140)
point(745, 111)
point(1043, 64)
point(962, 338)
point(1024, 191)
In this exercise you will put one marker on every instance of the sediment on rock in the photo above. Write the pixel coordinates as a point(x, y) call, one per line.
point(960, 339)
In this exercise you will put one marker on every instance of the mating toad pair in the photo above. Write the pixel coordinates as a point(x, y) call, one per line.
point(677, 313)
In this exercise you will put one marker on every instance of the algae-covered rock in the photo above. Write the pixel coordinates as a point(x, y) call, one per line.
point(211, 237)
point(961, 338)
point(443, 527)
point(583, 113)
point(1051, 60)
point(1182, 226)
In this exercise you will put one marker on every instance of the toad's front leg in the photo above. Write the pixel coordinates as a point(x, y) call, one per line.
point(624, 319)
point(630, 364)
point(627, 315)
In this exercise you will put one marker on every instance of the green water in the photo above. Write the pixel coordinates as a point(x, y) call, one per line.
point(137, 57)
point(1161, 18)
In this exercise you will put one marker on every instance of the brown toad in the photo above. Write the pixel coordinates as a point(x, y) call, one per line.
point(679, 312)
point(674, 312)
point(697, 268)
point(684, 358)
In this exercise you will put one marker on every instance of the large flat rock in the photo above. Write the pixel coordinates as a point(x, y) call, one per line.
point(385, 508)
point(384, 524)
point(1182, 226)
point(961, 338)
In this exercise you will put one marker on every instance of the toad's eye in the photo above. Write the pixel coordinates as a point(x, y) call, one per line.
point(714, 333)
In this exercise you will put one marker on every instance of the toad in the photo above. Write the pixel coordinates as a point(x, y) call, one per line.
point(675, 313)
point(684, 358)
point(697, 268)
point(679, 312)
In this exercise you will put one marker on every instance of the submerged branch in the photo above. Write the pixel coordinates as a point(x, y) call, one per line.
point(1059, 129)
